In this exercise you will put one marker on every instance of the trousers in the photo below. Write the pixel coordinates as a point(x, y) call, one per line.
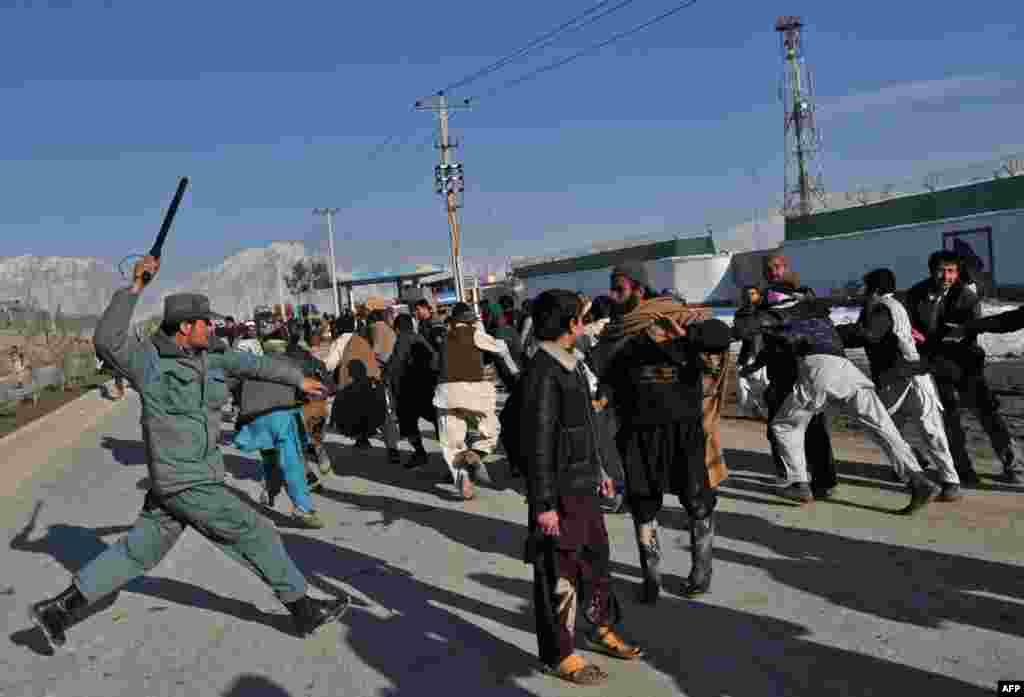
point(920, 413)
point(974, 393)
point(453, 426)
point(565, 571)
point(217, 513)
point(825, 379)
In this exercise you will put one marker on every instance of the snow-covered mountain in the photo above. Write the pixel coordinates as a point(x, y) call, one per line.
point(78, 286)
point(245, 280)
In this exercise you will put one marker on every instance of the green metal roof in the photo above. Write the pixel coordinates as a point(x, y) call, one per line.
point(992, 195)
point(603, 260)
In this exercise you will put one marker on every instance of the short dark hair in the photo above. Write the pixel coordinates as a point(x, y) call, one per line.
point(229, 318)
point(553, 312)
point(880, 280)
point(403, 323)
point(943, 257)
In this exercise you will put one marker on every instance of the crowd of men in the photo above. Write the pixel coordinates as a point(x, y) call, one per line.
point(612, 403)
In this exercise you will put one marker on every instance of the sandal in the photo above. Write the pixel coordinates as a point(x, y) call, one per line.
point(608, 642)
point(576, 670)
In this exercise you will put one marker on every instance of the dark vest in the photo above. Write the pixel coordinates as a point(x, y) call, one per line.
point(463, 361)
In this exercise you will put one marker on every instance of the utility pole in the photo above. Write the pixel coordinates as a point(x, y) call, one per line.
point(330, 212)
point(449, 182)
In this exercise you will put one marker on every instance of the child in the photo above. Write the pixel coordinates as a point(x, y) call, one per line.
point(568, 544)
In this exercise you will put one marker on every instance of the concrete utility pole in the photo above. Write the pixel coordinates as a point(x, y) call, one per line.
point(330, 212)
point(449, 182)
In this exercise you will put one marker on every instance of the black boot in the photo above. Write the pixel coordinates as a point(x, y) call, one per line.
point(418, 459)
point(922, 491)
point(56, 615)
point(650, 560)
point(702, 536)
point(312, 613)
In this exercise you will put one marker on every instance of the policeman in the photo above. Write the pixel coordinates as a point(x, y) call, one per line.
point(181, 386)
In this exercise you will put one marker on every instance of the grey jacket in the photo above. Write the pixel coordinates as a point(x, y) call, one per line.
point(182, 394)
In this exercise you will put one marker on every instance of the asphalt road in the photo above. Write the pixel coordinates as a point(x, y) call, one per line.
point(838, 598)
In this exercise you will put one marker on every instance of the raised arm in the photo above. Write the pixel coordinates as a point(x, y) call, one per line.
point(115, 343)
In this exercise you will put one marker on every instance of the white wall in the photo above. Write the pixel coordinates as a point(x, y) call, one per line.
point(829, 263)
point(697, 278)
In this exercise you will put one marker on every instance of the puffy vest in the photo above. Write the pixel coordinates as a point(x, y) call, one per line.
point(462, 361)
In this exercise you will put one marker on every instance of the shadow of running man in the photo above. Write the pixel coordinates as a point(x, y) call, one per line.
point(74, 546)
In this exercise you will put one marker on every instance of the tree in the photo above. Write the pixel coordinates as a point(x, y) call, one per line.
point(306, 275)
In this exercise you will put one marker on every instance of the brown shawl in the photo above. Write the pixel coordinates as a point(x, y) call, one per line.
point(357, 351)
point(715, 373)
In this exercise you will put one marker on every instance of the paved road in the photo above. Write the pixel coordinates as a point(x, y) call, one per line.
point(837, 598)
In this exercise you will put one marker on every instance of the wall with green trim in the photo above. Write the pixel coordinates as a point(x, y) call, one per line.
point(603, 260)
point(994, 195)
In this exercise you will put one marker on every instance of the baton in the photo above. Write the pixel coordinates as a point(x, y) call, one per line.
point(158, 246)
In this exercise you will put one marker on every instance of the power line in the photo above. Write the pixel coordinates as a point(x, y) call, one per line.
point(542, 41)
point(590, 49)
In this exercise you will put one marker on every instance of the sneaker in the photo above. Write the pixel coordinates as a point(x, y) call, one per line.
point(797, 491)
point(312, 613)
point(309, 520)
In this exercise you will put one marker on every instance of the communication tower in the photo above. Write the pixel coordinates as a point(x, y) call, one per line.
point(804, 190)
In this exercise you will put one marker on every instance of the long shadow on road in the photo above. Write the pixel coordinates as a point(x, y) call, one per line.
point(921, 587)
point(712, 651)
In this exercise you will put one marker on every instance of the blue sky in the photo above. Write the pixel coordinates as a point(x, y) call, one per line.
point(272, 109)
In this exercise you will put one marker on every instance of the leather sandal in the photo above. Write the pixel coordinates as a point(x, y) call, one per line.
point(576, 670)
point(607, 641)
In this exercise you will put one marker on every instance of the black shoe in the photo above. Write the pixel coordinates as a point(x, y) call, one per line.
point(394, 457)
point(922, 491)
point(418, 459)
point(797, 491)
point(950, 492)
point(1013, 477)
point(55, 615)
point(312, 613)
point(969, 478)
point(702, 536)
point(823, 494)
point(362, 444)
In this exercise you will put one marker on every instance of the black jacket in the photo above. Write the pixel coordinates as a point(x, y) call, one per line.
point(557, 439)
point(653, 383)
point(781, 350)
point(1001, 323)
point(930, 311)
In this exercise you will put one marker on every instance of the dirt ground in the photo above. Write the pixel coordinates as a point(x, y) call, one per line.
point(38, 351)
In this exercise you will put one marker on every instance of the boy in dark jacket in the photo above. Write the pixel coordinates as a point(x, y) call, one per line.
point(568, 542)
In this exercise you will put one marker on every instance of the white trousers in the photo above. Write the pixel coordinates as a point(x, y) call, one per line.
point(920, 413)
point(750, 393)
point(452, 426)
point(825, 380)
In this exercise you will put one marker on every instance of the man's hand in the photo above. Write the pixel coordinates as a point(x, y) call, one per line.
point(548, 523)
point(313, 387)
point(672, 326)
point(607, 488)
point(147, 263)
